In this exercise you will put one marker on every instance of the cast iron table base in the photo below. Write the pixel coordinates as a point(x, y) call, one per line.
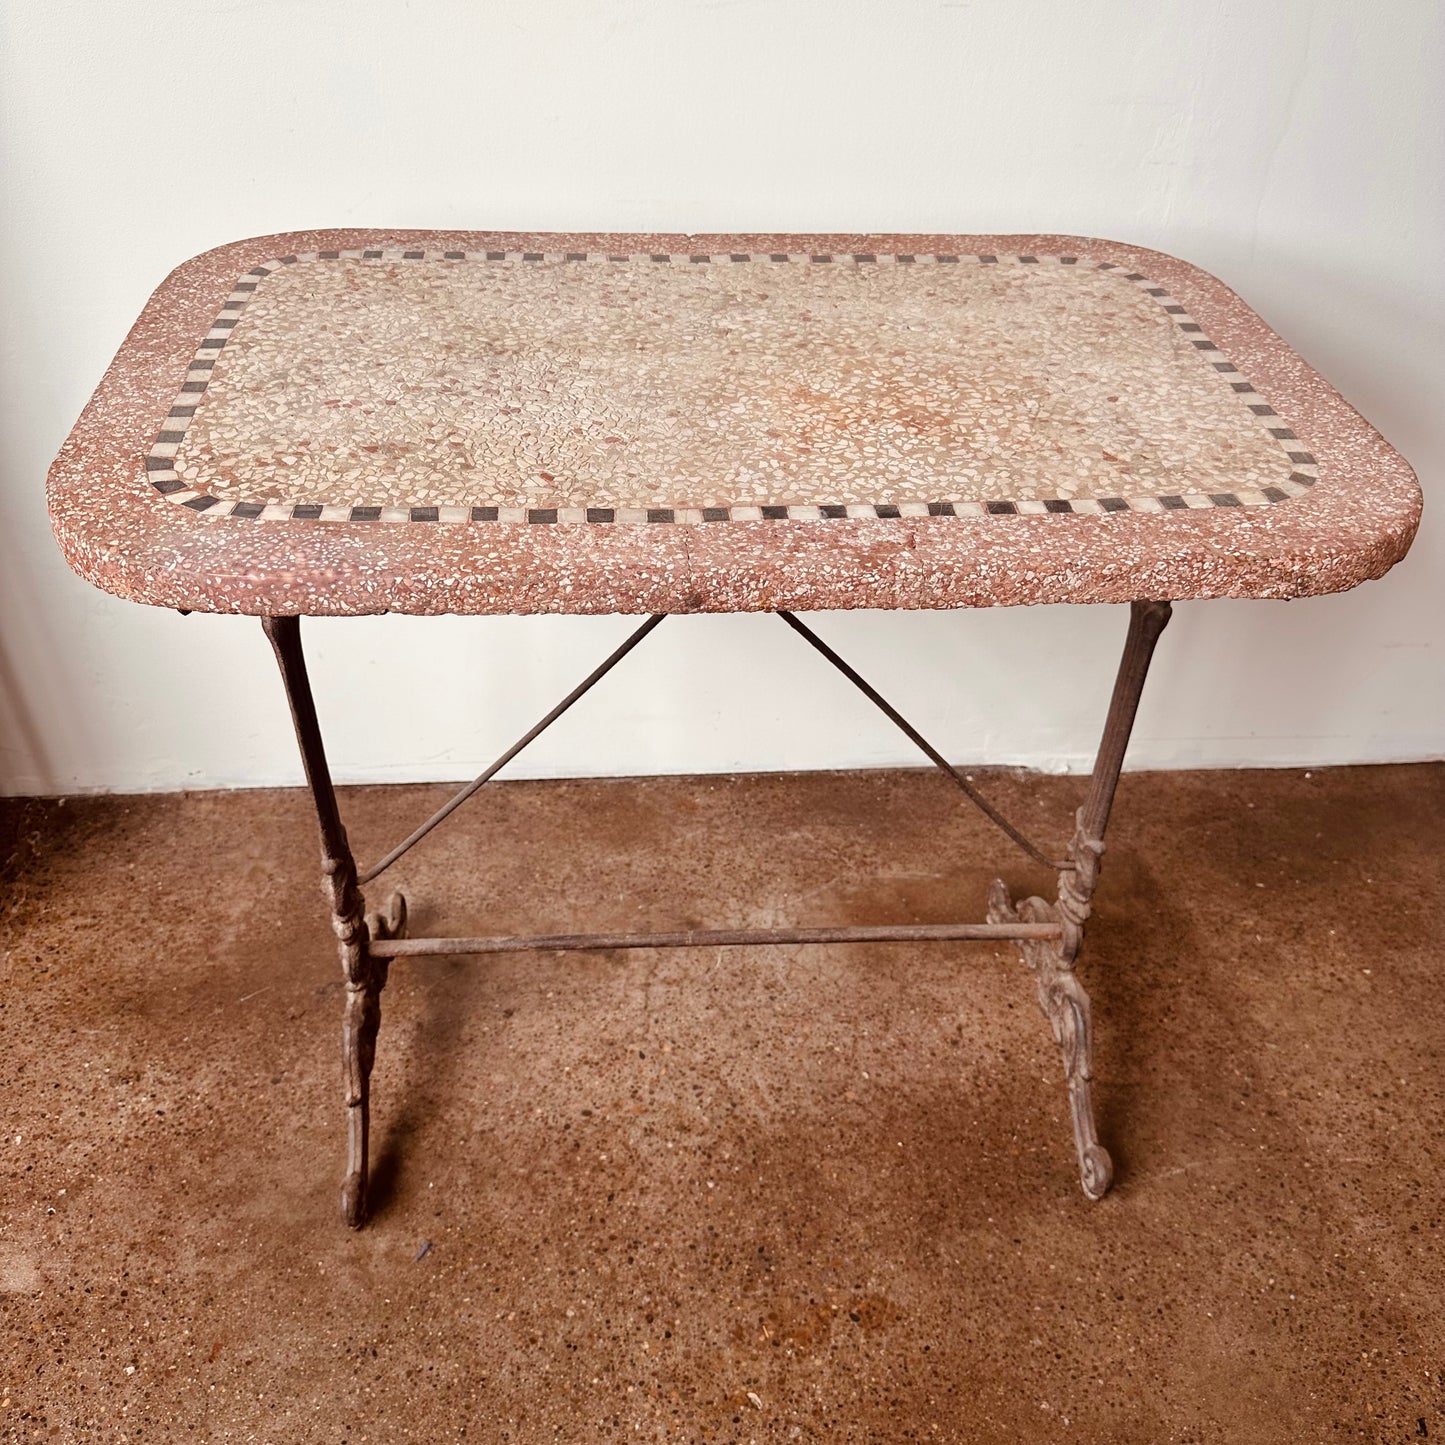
point(1048, 934)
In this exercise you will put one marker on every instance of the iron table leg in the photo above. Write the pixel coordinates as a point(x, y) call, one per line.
point(365, 974)
point(1061, 995)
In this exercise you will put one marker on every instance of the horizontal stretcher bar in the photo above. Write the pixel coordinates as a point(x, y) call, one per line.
point(715, 938)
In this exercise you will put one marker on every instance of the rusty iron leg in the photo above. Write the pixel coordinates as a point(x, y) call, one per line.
point(364, 973)
point(1061, 995)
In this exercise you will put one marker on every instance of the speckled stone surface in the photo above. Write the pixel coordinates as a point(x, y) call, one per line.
point(757, 1195)
point(376, 385)
point(351, 422)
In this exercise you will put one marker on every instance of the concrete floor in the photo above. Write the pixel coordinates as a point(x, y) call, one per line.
point(742, 1195)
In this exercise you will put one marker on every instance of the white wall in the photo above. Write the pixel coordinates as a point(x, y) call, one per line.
point(1294, 148)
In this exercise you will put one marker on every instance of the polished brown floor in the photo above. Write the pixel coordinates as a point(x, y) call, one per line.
point(743, 1195)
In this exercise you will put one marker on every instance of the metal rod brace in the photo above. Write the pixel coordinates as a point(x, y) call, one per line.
point(914, 736)
point(531, 735)
point(716, 938)
point(814, 641)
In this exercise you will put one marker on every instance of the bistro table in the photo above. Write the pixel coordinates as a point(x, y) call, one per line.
point(358, 422)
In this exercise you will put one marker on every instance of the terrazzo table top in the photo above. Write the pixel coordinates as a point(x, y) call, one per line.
point(348, 422)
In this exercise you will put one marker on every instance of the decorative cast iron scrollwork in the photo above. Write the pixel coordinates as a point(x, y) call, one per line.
point(1063, 999)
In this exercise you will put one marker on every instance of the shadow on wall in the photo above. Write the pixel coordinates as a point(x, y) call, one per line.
point(22, 746)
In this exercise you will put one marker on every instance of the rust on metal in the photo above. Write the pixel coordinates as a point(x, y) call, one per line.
point(718, 938)
point(363, 970)
point(1049, 935)
point(1062, 997)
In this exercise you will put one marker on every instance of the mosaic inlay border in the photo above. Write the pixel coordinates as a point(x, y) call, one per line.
point(160, 460)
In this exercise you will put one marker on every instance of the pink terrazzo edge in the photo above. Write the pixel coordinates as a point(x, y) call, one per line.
point(121, 535)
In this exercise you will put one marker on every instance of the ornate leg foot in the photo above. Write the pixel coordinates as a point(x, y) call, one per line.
point(361, 1021)
point(1066, 1006)
point(1065, 1003)
point(365, 979)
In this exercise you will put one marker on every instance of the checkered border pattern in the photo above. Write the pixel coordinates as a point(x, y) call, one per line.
point(160, 461)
